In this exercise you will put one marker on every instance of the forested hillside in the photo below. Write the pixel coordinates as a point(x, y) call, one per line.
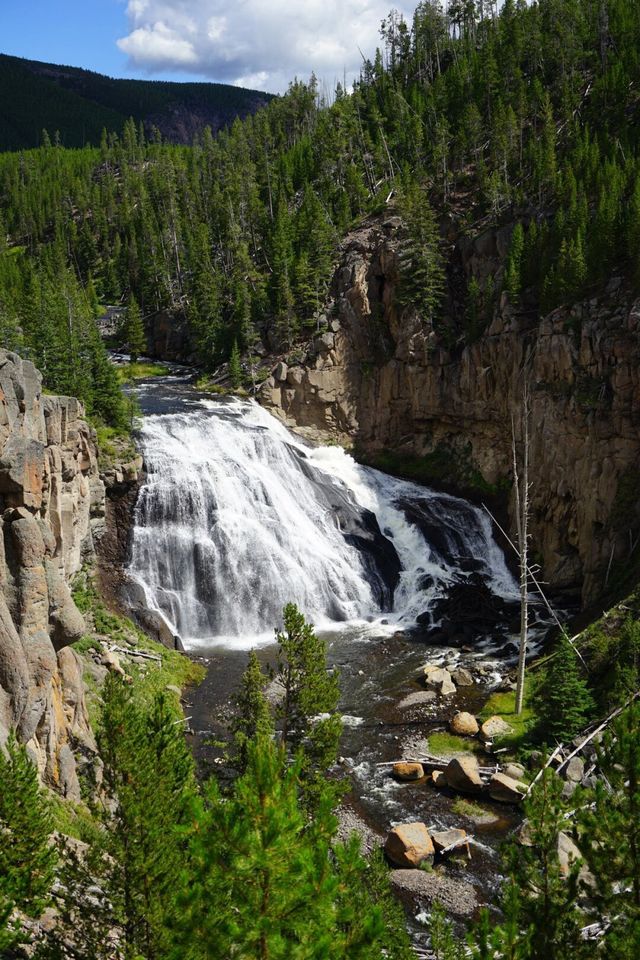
point(531, 116)
point(75, 105)
point(466, 124)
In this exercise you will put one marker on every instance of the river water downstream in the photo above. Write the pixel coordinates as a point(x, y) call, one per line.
point(238, 517)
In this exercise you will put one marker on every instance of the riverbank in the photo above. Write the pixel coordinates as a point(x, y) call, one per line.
point(387, 715)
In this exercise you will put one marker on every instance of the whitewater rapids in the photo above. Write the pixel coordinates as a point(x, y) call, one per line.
point(238, 516)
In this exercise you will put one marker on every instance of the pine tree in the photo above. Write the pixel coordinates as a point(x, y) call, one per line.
point(513, 269)
point(235, 367)
point(134, 330)
point(365, 892)
point(539, 900)
point(444, 944)
point(610, 831)
point(421, 270)
point(563, 701)
point(252, 717)
point(27, 858)
point(263, 885)
point(307, 712)
point(137, 856)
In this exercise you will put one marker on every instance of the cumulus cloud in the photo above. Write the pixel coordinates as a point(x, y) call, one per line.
point(256, 43)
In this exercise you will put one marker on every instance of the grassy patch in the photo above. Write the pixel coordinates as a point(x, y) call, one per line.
point(504, 705)
point(467, 808)
point(114, 446)
point(141, 371)
point(218, 390)
point(152, 677)
point(443, 744)
point(73, 819)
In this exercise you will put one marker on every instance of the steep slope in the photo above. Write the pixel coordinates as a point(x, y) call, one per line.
point(383, 380)
point(52, 502)
point(79, 103)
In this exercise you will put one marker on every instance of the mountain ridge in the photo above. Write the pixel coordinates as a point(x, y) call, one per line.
point(80, 103)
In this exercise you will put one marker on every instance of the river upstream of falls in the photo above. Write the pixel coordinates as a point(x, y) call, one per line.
point(238, 516)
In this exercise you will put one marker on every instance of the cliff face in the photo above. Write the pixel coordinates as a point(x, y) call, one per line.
point(52, 506)
point(382, 380)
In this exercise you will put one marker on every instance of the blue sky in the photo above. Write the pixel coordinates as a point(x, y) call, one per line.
point(255, 43)
point(79, 33)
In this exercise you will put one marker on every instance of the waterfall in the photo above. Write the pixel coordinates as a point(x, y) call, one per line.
point(238, 517)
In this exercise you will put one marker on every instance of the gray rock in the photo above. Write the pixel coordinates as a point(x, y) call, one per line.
point(514, 770)
point(419, 887)
point(416, 699)
point(295, 376)
point(461, 677)
point(505, 789)
point(280, 372)
point(439, 680)
point(494, 728)
point(574, 770)
point(325, 342)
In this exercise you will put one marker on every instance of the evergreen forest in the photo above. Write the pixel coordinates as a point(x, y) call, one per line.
point(472, 115)
point(529, 116)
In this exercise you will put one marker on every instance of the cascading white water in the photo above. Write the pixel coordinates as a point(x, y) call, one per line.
point(238, 517)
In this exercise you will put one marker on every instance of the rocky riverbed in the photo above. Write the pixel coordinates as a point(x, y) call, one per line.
point(388, 714)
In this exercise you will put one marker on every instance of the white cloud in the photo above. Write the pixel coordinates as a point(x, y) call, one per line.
point(258, 43)
point(159, 44)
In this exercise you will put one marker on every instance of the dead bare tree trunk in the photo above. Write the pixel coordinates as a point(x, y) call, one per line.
point(521, 487)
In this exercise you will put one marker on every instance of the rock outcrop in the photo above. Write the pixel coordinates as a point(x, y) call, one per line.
point(51, 506)
point(382, 379)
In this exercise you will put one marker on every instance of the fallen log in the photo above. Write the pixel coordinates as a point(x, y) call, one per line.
point(598, 729)
point(555, 753)
point(134, 653)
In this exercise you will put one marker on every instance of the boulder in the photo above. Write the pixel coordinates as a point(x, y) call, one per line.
point(409, 845)
point(505, 789)
point(448, 688)
point(430, 668)
point(439, 779)
point(325, 342)
point(463, 773)
point(445, 838)
point(461, 677)
point(464, 724)
point(111, 661)
point(280, 372)
point(574, 770)
point(440, 681)
point(494, 728)
point(408, 771)
point(568, 853)
point(514, 770)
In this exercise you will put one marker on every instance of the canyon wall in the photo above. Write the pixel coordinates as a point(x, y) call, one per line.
point(382, 380)
point(51, 511)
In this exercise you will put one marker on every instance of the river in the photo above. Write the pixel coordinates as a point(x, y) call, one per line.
point(238, 516)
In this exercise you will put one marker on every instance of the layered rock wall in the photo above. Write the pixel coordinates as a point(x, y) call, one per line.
point(51, 508)
point(381, 379)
